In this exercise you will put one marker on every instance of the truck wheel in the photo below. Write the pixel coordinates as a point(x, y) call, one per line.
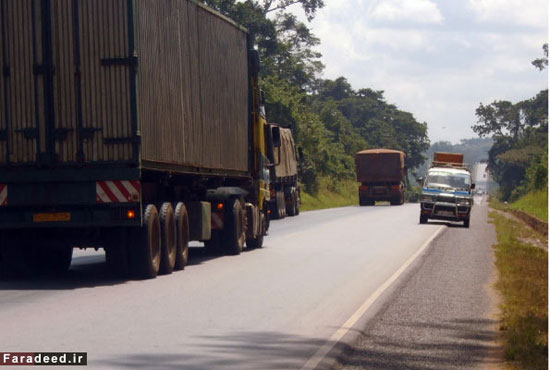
point(291, 209)
point(168, 239)
point(55, 260)
point(423, 219)
point(18, 257)
point(182, 236)
point(213, 245)
point(146, 257)
point(235, 229)
point(116, 252)
point(467, 222)
point(281, 204)
point(297, 205)
point(258, 242)
point(395, 202)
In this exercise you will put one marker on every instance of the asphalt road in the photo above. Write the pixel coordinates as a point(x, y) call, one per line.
point(320, 277)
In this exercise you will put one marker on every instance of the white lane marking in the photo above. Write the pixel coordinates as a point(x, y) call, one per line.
point(319, 356)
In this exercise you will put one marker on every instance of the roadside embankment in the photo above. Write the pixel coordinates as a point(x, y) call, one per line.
point(523, 285)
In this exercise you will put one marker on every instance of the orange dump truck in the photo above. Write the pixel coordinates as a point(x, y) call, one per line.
point(381, 173)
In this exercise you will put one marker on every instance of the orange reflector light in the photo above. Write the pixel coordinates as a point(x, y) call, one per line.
point(268, 211)
point(131, 214)
point(219, 206)
point(395, 187)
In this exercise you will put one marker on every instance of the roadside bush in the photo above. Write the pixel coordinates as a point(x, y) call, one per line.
point(412, 194)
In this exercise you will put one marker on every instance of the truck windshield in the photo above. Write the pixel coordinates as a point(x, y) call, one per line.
point(444, 179)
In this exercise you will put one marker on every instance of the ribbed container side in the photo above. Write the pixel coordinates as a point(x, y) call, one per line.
point(106, 120)
point(193, 101)
point(3, 81)
point(66, 141)
point(89, 99)
point(18, 96)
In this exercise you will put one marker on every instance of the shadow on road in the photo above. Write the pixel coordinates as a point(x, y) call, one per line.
point(89, 271)
point(465, 344)
point(242, 350)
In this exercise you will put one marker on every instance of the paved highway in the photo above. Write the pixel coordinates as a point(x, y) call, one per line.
point(280, 307)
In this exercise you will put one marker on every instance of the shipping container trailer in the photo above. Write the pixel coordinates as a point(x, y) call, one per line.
point(131, 124)
point(285, 189)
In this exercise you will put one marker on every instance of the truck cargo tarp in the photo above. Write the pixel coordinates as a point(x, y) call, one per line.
point(287, 163)
point(380, 165)
point(454, 158)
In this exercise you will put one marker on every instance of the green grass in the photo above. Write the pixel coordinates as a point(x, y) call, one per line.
point(523, 284)
point(534, 203)
point(331, 195)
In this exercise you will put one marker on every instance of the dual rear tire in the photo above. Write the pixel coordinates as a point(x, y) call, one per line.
point(162, 244)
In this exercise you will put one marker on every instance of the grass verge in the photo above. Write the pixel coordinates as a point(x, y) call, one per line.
point(523, 283)
point(535, 203)
point(330, 195)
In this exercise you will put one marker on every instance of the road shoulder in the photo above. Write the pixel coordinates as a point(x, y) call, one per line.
point(441, 314)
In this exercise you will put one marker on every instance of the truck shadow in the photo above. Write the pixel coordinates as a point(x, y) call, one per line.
point(90, 271)
point(448, 224)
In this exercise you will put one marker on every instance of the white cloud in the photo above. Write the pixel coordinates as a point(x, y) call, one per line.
point(416, 11)
point(511, 12)
point(438, 72)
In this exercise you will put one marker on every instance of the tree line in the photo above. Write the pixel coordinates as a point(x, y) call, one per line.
point(331, 121)
point(518, 158)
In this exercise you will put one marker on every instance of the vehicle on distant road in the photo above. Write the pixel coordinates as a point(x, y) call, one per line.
point(381, 173)
point(447, 191)
point(285, 199)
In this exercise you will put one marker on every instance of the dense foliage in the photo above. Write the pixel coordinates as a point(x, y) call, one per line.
point(331, 121)
point(518, 159)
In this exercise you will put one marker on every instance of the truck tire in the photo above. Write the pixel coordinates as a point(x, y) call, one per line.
point(55, 260)
point(467, 222)
point(213, 245)
point(423, 219)
point(291, 208)
point(168, 239)
point(18, 257)
point(146, 257)
point(116, 253)
point(182, 236)
point(395, 202)
point(258, 242)
point(297, 204)
point(234, 233)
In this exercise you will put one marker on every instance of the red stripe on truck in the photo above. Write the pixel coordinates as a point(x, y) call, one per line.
point(119, 191)
point(3, 194)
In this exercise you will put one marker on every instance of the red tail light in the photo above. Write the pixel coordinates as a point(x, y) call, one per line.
point(363, 188)
point(396, 187)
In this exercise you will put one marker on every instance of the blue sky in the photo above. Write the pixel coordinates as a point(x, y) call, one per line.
point(436, 59)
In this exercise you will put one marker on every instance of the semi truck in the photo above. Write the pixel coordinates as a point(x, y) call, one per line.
point(447, 190)
point(132, 125)
point(285, 190)
point(381, 173)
